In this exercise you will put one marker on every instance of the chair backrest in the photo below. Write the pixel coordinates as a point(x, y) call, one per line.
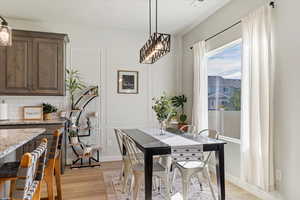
point(187, 153)
point(194, 153)
point(120, 139)
point(30, 173)
point(213, 134)
point(132, 151)
point(56, 143)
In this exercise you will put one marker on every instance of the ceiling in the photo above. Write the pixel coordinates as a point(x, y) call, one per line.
point(175, 16)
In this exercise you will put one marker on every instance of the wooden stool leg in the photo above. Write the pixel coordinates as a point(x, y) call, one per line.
point(50, 184)
point(12, 187)
point(1, 187)
point(57, 171)
point(37, 194)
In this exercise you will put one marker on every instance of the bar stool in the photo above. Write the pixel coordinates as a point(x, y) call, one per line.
point(52, 170)
point(30, 174)
point(8, 171)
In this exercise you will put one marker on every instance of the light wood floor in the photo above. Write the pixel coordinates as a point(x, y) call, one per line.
point(88, 184)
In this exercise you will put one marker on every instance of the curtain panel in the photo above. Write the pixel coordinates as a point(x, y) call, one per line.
point(257, 99)
point(200, 91)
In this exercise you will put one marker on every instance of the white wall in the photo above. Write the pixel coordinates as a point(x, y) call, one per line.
point(287, 104)
point(98, 54)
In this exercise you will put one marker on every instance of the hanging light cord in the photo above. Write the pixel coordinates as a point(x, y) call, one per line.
point(150, 18)
point(4, 22)
point(156, 17)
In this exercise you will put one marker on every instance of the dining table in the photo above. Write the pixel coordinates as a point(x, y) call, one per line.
point(152, 142)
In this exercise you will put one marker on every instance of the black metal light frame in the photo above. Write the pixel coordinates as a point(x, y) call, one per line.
point(158, 44)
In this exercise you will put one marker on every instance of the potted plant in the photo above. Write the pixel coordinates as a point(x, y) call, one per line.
point(164, 110)
point(48, 109)
point(73, 84)
point(178, 102)
point(73, 136)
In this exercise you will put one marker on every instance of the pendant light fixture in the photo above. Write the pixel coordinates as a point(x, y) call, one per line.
point(5, 33)
point(157, 45)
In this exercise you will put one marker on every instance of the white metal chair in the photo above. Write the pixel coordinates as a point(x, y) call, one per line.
point(195, 163)
point(137, 166)
point(126, 171)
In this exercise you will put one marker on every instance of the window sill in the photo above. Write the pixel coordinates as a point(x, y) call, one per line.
point(229, 139)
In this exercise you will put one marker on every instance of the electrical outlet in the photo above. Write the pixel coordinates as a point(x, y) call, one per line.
point(278, 175)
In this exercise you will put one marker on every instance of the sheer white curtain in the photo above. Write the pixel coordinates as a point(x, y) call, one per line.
point(257, 98)
point(200, 93)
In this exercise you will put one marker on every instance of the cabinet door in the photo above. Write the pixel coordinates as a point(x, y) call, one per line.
point(48, 67)
point(15, 67)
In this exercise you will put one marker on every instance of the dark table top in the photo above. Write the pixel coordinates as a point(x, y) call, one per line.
point(145, 141)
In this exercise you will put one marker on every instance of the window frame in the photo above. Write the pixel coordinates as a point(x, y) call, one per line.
point(214, 52)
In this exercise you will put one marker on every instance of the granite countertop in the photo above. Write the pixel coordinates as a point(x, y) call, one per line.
point(31, 122)
point(12, 139)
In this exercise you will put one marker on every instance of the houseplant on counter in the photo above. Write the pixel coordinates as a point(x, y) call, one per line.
point(178, 102)
point(48, 109)
point(73, 84)
point(164, 110)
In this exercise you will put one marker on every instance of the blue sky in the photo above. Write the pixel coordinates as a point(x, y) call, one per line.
point(226, 63)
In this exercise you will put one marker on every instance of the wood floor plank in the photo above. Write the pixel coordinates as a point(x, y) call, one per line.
point(88, 184)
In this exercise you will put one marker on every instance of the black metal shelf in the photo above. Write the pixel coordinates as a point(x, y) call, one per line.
point(83, 100)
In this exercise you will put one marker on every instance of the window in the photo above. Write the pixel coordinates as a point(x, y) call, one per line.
point(224, 89)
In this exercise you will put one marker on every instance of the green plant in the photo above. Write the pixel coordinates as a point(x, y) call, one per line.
point(163, 108)
point(235, 101)
point(178, 102)
point(73, 133)
point(48, 108)
point(73, 83)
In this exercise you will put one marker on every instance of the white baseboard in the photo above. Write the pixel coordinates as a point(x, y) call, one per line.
point(248, 187)
point(253, 189)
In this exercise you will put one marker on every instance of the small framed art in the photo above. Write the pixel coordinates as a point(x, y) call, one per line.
point(33, 113)
point(128, 82)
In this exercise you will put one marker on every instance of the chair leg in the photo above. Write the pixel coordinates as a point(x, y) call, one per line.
point(12, 187)
point(50, 184)
point(1, 186)
point(185, 185)
point(122, 173)
point(173, 178)
point(57, 171)
point(206, 171)
point(200, 181)
point(37, 194)
point(138, 177)
point(167, 184)
point(125, 179)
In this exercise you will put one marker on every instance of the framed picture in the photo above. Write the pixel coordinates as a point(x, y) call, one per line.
point(128, 82)
point(33, 113)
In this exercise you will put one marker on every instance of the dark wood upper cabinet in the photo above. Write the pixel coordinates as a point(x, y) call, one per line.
point(34, 64)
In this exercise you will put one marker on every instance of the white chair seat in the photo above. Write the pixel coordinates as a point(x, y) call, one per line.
point(191, 164)
point(157, 167)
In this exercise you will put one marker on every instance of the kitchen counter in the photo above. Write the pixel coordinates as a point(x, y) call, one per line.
point(31, 122)
point(12, 139)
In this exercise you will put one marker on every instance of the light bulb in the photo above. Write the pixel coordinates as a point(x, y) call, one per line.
point(159, 46)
